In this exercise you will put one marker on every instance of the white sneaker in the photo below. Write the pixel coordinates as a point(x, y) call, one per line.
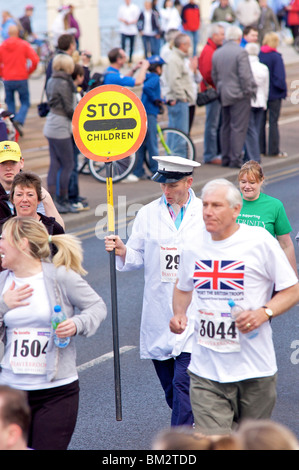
point(130, 179)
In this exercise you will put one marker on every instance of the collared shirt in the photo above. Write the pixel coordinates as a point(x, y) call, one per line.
point(177, 217)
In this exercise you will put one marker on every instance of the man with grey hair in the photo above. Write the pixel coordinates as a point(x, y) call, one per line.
point(211, 153)
point(180, 90)
point(233, 367)
point(234, 81)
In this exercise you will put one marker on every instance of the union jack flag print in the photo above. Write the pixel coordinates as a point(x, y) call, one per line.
point(219, 275)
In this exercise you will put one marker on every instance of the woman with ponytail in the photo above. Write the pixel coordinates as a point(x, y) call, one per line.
point(31, 286)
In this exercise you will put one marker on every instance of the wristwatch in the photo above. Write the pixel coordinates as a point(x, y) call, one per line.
point(268, 311)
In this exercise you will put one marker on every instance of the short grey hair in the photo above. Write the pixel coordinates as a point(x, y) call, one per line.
point(214, 28)
point(233, 195)
point(233, 33)
point(179, 39)
point(252, 48)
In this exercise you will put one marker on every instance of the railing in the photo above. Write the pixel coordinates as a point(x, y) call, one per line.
point(110, 37)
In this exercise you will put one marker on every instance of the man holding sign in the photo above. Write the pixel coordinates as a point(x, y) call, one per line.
point(160, 231)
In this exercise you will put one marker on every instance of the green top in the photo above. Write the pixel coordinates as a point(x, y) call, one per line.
point(265, 211)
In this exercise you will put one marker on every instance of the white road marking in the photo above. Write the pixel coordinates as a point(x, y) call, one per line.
point(104, 358)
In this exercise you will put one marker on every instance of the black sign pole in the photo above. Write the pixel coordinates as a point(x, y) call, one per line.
point(111, 230)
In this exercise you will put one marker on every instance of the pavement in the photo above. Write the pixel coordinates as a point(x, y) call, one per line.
point(34, 147)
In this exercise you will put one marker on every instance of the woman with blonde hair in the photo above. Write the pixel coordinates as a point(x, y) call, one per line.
point(31, 286)
point(263, 210)
point(61, 94)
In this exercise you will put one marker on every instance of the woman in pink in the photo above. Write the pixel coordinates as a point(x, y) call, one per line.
point(293, 17)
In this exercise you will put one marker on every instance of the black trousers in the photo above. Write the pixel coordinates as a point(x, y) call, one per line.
point(131, 39)
point(54, 415)
point(234, 125)
point(273, 112)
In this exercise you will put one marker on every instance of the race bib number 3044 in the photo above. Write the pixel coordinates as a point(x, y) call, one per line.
point(28, 350)
point(216, 330)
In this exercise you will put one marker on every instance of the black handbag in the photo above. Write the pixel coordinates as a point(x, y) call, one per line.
point(43, 107)
point(207, 96)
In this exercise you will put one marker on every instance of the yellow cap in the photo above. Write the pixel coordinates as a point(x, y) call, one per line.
point(9, 150)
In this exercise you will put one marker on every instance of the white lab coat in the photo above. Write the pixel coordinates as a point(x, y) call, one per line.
point(153, 228)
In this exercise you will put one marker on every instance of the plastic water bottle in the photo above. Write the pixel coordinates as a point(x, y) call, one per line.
point(58, 317)
point(235, 312)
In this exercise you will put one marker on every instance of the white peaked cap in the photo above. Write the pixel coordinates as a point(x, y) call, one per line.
point(173, 168)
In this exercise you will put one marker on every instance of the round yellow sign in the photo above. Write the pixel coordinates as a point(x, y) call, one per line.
point(109, 123)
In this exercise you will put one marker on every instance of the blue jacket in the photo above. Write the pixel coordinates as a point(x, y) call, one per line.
point(274, 62)
point(151, 92)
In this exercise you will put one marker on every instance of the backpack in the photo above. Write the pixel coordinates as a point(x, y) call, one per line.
point(96, 80)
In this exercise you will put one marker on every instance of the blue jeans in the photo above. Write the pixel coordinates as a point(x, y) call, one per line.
point(252, 141)
point(150, 144)
point(194, 36)
point(178, 117)
point(213, 112)
point(175, 381)
point(21, 87)
point(151, 45)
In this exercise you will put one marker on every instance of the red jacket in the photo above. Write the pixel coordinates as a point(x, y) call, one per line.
point(205, 64)
point(190, 17)
point(293, 13)
point(17, 59)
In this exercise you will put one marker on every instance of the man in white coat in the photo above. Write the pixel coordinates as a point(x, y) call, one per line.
point(160, 231)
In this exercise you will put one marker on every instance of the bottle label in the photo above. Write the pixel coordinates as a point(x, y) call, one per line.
point(217, 330)
point(28, 350)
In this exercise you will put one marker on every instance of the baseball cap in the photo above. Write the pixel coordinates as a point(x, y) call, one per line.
point(173, 168)
point(156, 60)
point(9, 150)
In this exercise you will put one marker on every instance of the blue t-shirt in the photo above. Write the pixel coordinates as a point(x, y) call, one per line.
point(114, 77)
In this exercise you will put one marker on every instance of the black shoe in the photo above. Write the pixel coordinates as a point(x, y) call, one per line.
point(18, 126)
point(225, 161)
point(145, 177)
point(81, 199)
point(235, 165)
point(62, 207)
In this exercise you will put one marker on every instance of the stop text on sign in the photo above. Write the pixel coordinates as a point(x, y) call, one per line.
point(109, 123)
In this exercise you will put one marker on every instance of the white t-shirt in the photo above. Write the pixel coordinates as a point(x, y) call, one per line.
point(148, 28)
point(28, 330)
point(129, 13)
point(243, 267)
